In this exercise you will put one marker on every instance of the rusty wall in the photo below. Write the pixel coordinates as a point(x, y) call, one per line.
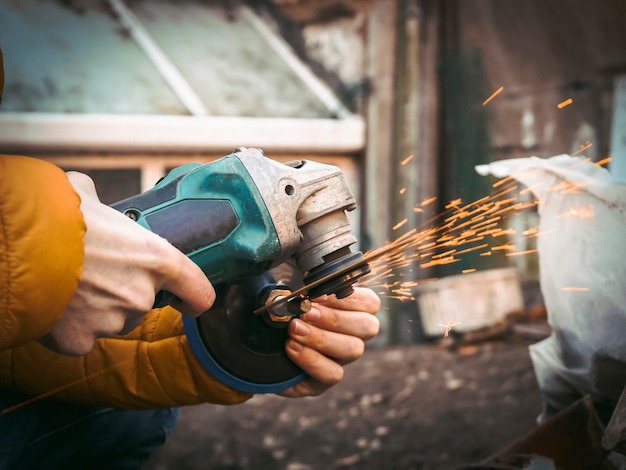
point(540, 52)
point(543, 53)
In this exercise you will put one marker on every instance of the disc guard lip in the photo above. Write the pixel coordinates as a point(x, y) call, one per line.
point(238, 347)
point(216, 370)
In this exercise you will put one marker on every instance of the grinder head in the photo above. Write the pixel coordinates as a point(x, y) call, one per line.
point(307, 202)
point(338, 274)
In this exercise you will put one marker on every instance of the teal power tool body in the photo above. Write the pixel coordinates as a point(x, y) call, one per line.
point(270, 236)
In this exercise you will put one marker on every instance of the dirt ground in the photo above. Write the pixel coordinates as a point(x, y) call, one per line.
point(419, 406)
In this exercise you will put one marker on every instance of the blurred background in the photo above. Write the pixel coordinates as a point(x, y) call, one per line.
point(126, 90)
point(405, 96)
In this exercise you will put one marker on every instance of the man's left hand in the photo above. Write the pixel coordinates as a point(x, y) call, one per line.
point(330, 336)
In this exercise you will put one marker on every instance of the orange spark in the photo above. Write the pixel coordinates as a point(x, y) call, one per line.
point(567, 187)
point(411, 233)
point(575, 187)
point(567, 102)
point(467, 271)
point(502, 232)
point(538, 234)
point(410, 284)
point(506, 246)
point(579, 162)
point(495, 93)
point(455, 203)
point(583, 148)
point(604, 161)
point(447, 260)
point(520, 253)
point(468, 233)
point(441, 255)
point(478, 218)
point(403, 190)
point(477, 202)
point(406, 160)
point(575, 289)
point(428, 200)
point(474, 248)
point(58, 389)
point(581, 212)
point(494, 232)
point(531, 232)
point(474, 227)
point(400, 224)
point(448, 327)
point(502, 181)
point(470, 240)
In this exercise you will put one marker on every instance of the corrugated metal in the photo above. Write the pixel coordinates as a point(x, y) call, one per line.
point(75, 57)
point(63, 60)
point(226, 61)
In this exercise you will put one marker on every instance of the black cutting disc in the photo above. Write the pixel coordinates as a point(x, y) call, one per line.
point(351, 264)
point(242, 343)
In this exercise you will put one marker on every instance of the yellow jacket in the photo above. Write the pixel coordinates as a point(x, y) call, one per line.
point(41, 256)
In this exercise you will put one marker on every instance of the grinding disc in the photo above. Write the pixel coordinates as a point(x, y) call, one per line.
point(239, 348)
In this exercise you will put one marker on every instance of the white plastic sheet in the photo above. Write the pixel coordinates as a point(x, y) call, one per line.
point(582, 262)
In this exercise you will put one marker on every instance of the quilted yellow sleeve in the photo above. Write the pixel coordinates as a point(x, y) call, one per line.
point(151, 367)
point(41, 247)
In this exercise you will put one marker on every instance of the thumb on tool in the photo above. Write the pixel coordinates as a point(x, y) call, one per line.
point(170, 269)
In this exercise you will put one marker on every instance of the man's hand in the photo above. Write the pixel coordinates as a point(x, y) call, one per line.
point(330, 336)
point(125, 266)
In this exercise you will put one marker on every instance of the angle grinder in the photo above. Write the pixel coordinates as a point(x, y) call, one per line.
point(270, 236)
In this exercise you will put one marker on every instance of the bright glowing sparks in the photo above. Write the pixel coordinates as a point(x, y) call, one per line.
point(495, 93)
point(567, 102)
point(582, 212)
point(428, 200)
point(58, 389)
point(448, 327)
point(400, 224)
point(520, 253)
point(575, 289)
point(479, 227)
point(406, 160)
point(582, 148)
point(502, 181)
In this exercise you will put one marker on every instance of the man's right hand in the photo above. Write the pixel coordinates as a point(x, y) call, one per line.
point(125, 266)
